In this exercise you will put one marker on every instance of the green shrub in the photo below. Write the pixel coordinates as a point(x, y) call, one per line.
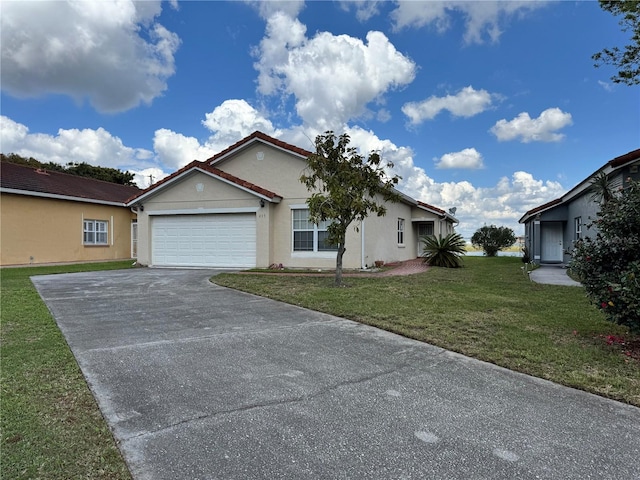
point(609, 264)
point(492, 239)
point(443, 251)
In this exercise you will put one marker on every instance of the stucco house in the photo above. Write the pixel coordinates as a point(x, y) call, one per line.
point(245, 207)
point(53, 217)
point(551, 229)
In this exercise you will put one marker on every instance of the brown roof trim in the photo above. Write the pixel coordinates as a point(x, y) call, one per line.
point(624, 159)
point(614, 164)
point(259, 136)
point(238, 181)
point(214, 171)
point(431, 207)
point(164, 180)
point(543, 207)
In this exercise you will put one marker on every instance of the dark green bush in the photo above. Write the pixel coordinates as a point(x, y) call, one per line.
point(609, 265)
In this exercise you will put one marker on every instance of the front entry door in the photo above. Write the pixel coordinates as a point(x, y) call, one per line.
point(424, 229)
point(552, 242)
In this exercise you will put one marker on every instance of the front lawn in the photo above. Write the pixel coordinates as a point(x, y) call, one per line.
point(51, 425)
point(488, 310)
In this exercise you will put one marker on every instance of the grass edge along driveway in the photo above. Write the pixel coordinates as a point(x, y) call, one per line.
point(488, 310)
point(51, 426)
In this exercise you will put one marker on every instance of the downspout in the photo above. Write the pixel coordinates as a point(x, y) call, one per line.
point(362, 255)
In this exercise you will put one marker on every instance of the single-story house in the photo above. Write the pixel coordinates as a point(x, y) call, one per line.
point(54, 217)
point(246, 207)
point(551, 229)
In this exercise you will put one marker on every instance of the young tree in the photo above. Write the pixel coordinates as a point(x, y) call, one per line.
point(628, 61)
point(493, 239)
point(345, 188)
point(609, 265)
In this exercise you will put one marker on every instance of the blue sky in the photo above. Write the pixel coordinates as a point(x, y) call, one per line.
point(489, 107)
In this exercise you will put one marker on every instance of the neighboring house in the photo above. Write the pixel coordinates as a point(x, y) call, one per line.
point(53, 217)
point(551, 229)
point(245, 207)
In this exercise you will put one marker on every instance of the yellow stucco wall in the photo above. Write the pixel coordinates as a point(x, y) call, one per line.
point(35, 230)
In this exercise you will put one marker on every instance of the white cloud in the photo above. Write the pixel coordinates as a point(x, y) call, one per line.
point(466, 103)
point(502, 204)
point(365, 9)
point(229, 122)
point(468, 158)
point(482, 19)
point(148, 176)
point(332, 77)
point(233, 120)
point(268, 8)
point(95, 147)
point(527, 129)
point(111, 52)
point(175, 150)
point(383, 115)
point(607, 86)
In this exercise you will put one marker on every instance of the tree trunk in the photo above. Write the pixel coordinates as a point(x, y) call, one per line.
point(341, 250)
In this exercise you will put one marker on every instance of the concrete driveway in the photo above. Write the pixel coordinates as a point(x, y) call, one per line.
point(202, 382)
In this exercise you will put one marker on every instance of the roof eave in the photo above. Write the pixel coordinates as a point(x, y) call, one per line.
point(56, 196)
point(256, 137)
point(137, 200)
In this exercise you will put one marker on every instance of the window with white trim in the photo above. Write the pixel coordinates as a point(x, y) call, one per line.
point(95, 232)
point(401, 231)
point(309, 237)
point(578, 228)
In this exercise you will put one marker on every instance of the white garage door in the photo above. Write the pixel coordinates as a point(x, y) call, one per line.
point(221, 240)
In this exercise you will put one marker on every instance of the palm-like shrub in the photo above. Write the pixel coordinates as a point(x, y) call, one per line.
point(443, 251)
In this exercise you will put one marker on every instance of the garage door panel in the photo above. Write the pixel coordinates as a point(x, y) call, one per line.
point(221, 240)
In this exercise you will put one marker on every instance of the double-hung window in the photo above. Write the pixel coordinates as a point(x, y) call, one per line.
point(401, 231)
point(309, 237)
point(95, 232)
point(578, 228)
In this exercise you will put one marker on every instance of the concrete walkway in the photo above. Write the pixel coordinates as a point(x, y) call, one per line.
point(202, 382)
point(553, 275)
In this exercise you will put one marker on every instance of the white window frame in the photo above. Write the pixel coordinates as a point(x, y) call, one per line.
point(577, 226)
point(95, 232)
point(316, 229)
point(401, 232)
point(134, 239)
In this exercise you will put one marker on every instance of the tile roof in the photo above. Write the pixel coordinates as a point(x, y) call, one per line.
point(213, 170)
point(47, 183)
point(261, 136)
point(431, 207)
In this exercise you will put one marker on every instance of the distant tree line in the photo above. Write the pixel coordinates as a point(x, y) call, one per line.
point(112, 175)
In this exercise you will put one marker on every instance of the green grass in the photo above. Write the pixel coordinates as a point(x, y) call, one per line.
point(488, 310)
point(51, 427)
